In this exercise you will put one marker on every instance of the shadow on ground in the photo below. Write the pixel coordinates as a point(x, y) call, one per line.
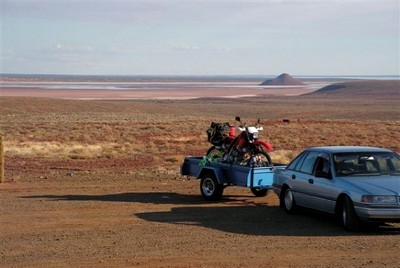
point(232, 214)
point(146, 197)
point(260, 220)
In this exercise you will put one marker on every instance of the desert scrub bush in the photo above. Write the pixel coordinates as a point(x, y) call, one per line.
point(173, 159)
point(109, 153)
point(58, 150)
point(283, 156)
point(79, 151)
point(34, 149)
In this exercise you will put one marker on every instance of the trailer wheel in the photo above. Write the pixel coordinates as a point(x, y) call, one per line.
point(259, 192)
point(210, 188)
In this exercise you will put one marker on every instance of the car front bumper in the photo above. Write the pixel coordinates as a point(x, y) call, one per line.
point(378, 214)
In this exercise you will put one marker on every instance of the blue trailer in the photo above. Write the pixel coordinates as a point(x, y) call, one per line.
point(216, 175)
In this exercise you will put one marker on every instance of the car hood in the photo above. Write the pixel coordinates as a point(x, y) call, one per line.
point(376, 185)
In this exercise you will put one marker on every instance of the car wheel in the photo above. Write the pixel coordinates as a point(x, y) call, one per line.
point(350, 220)
point(210, 188)
point(259, 192)
point(287, 200)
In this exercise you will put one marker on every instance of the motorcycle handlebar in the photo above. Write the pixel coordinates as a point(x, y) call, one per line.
point(242, 127)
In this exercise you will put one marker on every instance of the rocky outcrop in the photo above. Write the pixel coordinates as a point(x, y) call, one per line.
point(283, 80)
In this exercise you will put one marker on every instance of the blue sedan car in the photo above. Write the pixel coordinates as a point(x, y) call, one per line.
point(355, 183)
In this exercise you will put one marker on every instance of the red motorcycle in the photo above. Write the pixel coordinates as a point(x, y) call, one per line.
point(244, 149)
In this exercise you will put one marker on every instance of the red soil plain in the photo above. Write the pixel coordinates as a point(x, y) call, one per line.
point(92, 178)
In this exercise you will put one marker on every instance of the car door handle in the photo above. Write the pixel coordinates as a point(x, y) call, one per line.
point(293, 176)
point(311, 181)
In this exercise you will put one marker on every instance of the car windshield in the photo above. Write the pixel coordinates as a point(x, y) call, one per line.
point(364, 163)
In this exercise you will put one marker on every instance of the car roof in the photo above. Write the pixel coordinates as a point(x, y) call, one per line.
point(349, 149)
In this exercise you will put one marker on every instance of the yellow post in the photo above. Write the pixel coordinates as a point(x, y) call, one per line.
point(2, 179)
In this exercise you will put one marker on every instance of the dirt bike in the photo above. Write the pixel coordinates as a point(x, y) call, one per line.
point(245, 149)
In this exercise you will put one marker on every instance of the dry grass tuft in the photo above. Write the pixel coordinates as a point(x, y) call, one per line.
point(283, 156)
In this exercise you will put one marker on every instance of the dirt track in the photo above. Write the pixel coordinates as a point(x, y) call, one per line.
point(121, 217)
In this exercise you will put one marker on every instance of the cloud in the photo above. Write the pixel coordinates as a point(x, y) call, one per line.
point(187, 48)
point(229, 33)
point(121, 50)
point(60, 48)
point(208, 50)
point(300, 15)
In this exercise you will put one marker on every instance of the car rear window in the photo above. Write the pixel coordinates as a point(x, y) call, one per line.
point(308, 163)
point(295, 163)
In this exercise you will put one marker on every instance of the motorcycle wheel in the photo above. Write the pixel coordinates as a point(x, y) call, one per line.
point(260, 159)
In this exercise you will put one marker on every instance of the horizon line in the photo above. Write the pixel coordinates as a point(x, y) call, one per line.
point(206, 75)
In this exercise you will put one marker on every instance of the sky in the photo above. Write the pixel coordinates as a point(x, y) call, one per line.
point(316, 37)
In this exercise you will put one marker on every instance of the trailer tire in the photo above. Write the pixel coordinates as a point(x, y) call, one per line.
point(210, 189)
point(259, 192)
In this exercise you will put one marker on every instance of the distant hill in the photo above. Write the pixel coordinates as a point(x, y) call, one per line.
point(282, 80)
point(365, 88)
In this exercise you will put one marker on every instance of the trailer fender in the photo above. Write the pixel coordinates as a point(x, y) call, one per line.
point(217, 173)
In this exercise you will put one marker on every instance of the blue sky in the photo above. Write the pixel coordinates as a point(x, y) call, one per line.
point(200, 37)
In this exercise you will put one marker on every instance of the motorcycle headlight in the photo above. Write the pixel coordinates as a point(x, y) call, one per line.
point(252, 133)
point(379, 199)
point(253, 136)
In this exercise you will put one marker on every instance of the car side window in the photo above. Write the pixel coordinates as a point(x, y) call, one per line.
point(322, 167)
point(308, 163)
point(295, 163)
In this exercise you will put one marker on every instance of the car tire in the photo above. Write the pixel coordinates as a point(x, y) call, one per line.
point(259, 192)
point(349, 218)
point(287, 201)
point(210, 189)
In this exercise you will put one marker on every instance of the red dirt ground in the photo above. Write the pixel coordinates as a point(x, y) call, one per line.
point(131, 212)
point(118, 214)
